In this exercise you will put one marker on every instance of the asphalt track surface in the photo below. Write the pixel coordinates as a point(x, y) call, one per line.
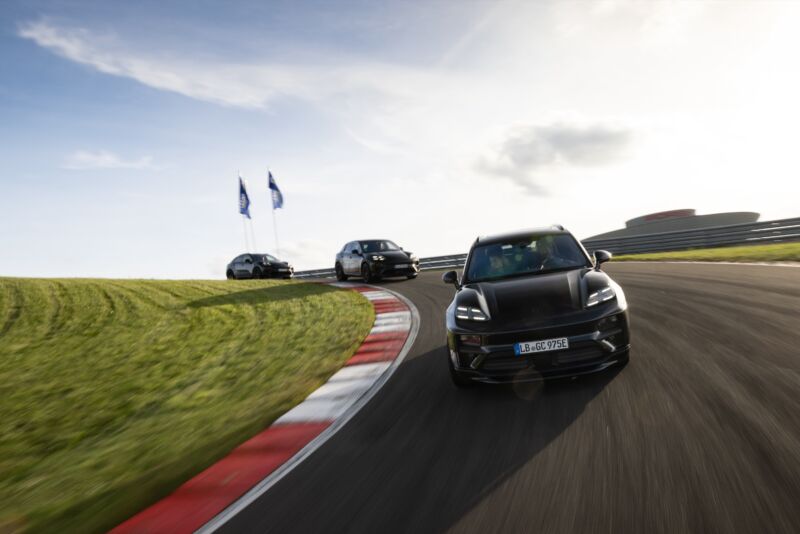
point(699, 433)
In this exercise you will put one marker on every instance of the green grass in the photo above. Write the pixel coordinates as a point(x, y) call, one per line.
point(774, 252)
point(114, 392)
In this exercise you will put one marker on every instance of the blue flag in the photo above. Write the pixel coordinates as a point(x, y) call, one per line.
point(277, 197)
point(244, 200)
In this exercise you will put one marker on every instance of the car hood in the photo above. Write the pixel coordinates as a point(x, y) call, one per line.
point(280, 264)
point(531, 301)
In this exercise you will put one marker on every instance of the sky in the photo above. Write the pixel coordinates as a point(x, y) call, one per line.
point(124, 125)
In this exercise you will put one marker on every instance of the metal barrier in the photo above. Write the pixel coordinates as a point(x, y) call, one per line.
point(778, 231)
point(425, 264)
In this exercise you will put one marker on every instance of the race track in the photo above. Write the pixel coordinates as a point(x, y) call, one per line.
point(699, 433)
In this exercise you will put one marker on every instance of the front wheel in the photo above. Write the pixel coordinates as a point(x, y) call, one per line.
point(340, 276)
point(365, 273)
point(257, 273)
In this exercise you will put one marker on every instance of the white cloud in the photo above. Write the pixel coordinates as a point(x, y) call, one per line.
point(246, 85)
point(102, 159)
point(527, 151)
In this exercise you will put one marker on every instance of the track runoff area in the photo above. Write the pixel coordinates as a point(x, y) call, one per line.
point(216, 495)
point(698, 433)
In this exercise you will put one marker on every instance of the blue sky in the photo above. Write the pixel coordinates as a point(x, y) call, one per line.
point(122, 125)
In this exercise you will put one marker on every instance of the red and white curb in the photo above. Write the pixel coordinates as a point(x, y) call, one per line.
point(210, 499)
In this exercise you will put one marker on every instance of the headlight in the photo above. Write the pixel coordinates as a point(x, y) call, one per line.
point(378, 258)
point(470, 314)
point(413, 257)
point(597, 297)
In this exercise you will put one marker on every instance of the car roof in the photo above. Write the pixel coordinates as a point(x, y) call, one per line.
point(556, 229)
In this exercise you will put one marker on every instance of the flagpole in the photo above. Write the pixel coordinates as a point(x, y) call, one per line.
point(252, 231)
point(275, 228)
point(244, 222)
point(244, 227)
point(274, 219)
point(253, 234)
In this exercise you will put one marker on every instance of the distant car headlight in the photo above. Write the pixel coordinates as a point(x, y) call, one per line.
point(469, 313)
point(607, 293)
point(377, 257)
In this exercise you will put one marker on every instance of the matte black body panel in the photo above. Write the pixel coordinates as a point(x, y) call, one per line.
point(352, 264)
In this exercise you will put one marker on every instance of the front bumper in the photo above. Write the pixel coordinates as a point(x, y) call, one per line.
point(379, 268)
point(593, 346)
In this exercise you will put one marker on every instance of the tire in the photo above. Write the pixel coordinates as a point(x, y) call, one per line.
point(340, 276)
point(257, 273)
point(365, 273)
point(229, 275)
point(459, 380)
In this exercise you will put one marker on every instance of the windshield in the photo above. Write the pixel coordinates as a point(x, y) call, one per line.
point(267, 257)
point(533, 254)
point(378, 245)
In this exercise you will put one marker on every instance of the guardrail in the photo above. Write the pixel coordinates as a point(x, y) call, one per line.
point(778, 231)
point(425, 264)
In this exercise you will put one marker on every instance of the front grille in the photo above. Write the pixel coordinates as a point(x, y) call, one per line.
point(579, 355)
point(507, 363)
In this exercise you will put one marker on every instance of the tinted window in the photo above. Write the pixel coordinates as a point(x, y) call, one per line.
point(531, 255)
point(378, 245)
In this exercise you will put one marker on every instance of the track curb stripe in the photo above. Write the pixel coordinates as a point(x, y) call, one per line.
point(211, 498)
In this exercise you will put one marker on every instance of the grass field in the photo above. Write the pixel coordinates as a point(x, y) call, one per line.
point(773, 252)
point(114, 392)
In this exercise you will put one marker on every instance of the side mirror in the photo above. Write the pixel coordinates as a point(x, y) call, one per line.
point(354, 251)
point(248, 261)
point(601, 256)
point(450, 277)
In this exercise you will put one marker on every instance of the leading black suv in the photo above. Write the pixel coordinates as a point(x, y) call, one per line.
point(258, 266)
point(532, 305)
point(373, 259)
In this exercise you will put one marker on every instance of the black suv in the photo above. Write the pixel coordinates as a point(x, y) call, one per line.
point(258, 266)
point(373, 259)
point(532, 305)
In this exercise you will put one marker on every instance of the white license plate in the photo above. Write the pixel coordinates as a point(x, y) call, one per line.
point(401, 266)
point(544, 345)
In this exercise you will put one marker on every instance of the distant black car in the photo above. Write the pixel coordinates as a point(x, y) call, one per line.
point(373, 259)
point(258, 266)
point(534, 305)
